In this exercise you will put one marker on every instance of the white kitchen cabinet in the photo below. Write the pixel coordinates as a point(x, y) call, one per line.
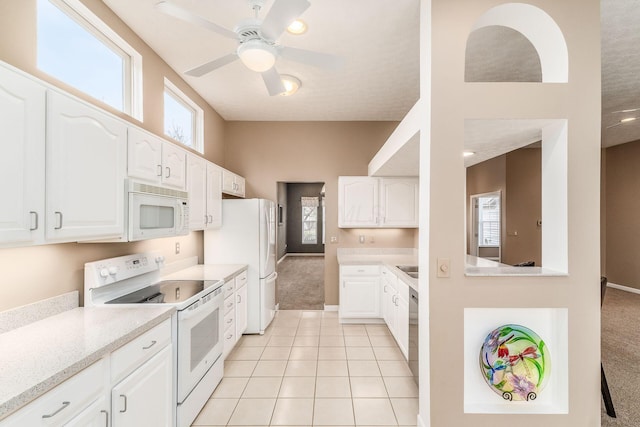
point(144, 398)
point(359, 292)
point(232, 184)
point(388, 283)
point(81, 397)
point(205, 193)
point(154, 160)
point(369, 202)
point(85, 171)
point(402, 319)
point(94, 415)
point(241, 304)
point(22, 179)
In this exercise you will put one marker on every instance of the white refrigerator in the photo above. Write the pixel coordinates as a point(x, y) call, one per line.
point(248, 236)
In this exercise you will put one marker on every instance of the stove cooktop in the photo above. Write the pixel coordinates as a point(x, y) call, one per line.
point(165, 292)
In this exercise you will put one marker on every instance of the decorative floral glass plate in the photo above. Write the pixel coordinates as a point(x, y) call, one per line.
point(515, 362)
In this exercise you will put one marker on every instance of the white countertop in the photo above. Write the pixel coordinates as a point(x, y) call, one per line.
point(389, 257)
point(207, 272)
point(37, 357)
point(476, 266)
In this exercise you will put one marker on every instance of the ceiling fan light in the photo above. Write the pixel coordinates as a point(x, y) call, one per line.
point(257, 55)
point(291, 84)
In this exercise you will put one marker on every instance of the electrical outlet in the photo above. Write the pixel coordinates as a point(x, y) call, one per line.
point(177, 248)
point(361, 239)
point(333, 239)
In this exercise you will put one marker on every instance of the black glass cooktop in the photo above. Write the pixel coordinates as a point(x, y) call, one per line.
point(168, 292)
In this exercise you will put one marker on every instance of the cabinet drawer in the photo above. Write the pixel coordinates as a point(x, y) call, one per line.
point(229, 319)
point(360, 270)
point(241, 279)
point(229, 303)
point(229, 287)
point(229, 341)
point(63, 402)
point(135, 353)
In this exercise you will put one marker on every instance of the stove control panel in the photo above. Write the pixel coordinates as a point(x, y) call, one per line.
point(113, 270)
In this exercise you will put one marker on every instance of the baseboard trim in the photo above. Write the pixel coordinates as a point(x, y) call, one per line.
point(303, 254)
point(330, 307)
point(624, 288)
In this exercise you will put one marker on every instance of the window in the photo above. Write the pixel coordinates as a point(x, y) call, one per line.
point(183, 118)
point(489, 221)
point(309, 220)
point(79, 49)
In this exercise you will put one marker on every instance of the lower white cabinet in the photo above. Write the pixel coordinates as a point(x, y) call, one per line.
point(235, 310)
point(359, 292)
point(133, 386)
point(144, 398)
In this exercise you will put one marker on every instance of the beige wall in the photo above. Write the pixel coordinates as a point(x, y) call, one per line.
point(622, 201)
point(451, 102)
point(34, 273)
point(268, 152)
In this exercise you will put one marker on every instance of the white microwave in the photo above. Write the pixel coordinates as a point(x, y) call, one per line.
point(155, 212)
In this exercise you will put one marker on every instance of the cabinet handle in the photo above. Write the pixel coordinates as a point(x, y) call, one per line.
point(159, 170)
point(59, 215)
point(34, 214)
point(206, 219)
point(150, 345)
point(53, 414)
point(125, 403)
point(229, 321)
point(384, 289)
point(211, 219)
point(239, 299)
point(168, 169)
point(229, 336)
point(230, 304)
point(106, 417)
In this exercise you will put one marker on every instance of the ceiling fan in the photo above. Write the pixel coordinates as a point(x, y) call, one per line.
point(257, 45)
point(625, 120)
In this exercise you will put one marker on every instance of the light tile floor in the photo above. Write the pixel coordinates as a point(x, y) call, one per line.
point(309, 370)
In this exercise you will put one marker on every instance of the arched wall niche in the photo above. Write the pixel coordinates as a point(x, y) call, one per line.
point(501, 54)
point(541, 31)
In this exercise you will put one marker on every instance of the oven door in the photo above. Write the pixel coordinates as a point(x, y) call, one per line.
point(199, 340)
point(152, 216)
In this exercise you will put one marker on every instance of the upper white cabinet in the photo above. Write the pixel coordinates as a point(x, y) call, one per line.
point(156, 161)
point(22, 119)
point(232, 184)
point(205, 193)
point(368, 202)
point(85, 171)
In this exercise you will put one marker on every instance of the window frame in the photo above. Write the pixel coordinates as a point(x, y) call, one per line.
point(132, 60)
point(198, 115)
point(315, 242)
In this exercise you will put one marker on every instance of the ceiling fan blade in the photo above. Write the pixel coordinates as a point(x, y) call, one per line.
point(281, 15)
point(180, 13)
point(273, 82)
point(317, 59)
point(212, 65)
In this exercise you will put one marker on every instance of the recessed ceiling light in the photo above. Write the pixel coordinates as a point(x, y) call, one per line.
point(468, 153)
point(291, 84)
point(628, 119)
point(297, 27)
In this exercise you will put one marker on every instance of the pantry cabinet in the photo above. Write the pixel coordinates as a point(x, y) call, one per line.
point(85, 170)
point(22, 179)
point(156, 161)
point(205, 193)
point(369, 202)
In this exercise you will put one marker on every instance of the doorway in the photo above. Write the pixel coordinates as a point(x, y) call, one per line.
point(300, 245)
point(486, 226)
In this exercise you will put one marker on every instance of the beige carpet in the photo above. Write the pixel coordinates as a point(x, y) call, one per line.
point(301, 283)
point(621, 356)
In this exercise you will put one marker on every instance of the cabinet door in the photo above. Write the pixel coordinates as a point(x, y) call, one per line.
point(357, 201)
point(228, 182)
point(144, 156)
point(144, 398)
point(174, 166)
point(399, 202)
point(241, 311)
point(198, 191)
point(359, 296)
point(402, 325)
point(95, 415)
point(214, 196)
point(240, 184)
point(22, 119)
point(85, 169)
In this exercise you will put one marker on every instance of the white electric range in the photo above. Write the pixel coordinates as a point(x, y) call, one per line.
point(197, 324)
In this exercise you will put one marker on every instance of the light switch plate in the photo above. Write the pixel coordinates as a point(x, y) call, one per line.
point(444, 267)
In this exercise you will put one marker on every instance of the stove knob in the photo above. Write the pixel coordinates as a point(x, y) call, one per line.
point(104, 273)
point(113, 270)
